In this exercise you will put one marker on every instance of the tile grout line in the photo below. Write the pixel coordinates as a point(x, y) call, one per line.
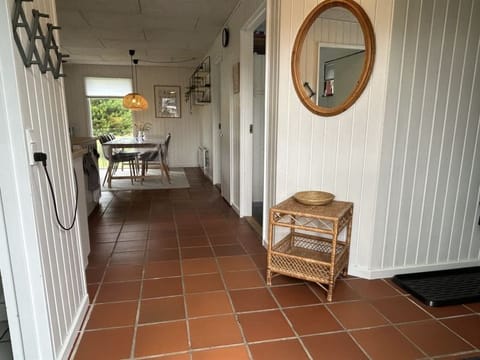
point(185, 307)
point(227, 291)
point(139, 301)
point(432, 318)
point(91, 305)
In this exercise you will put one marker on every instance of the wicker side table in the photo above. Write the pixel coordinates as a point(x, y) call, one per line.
point(306, 242)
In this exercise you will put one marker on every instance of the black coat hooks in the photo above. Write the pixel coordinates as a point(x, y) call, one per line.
point(37, 47)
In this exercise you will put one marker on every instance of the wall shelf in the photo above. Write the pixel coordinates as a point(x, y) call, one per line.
point(198, 91)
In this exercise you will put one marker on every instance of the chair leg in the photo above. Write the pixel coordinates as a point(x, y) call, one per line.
point(137, 167)
point(165, 169)
point(144, 166)
point(131, 165)
point(108, 175)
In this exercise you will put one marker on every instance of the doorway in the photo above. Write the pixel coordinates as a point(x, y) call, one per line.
point(252, 118)
point(258, 125)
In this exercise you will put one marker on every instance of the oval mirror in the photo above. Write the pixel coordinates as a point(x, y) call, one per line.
point(333, 56)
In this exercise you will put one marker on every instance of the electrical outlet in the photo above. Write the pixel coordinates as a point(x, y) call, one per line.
point(32, 145)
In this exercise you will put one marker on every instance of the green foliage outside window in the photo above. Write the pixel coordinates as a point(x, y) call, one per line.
point(109, 116)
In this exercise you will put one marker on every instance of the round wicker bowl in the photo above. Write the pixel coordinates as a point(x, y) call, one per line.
point(314, 197)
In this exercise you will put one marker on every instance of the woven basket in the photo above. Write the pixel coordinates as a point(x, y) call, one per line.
point(314, 197)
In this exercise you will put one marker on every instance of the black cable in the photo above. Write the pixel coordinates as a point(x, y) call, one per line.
point(55, 202)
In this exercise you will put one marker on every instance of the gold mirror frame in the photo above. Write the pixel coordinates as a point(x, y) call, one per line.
point(369, 38)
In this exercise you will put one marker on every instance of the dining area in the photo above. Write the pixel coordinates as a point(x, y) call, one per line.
point(135, 159)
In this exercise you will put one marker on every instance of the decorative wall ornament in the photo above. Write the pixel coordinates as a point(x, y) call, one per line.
point(199, 90)
point(40, 48)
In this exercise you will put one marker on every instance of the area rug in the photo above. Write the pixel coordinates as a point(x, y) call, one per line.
point(440, 288)
point(177, 176)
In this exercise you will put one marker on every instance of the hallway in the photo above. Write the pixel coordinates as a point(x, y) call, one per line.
point(176, 275)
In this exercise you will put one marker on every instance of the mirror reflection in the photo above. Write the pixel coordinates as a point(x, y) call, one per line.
point(333, 56)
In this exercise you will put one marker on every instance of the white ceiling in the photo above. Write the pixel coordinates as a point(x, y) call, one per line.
point(161, 31)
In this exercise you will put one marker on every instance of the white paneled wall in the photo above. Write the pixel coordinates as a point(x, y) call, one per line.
point(339, 154)
point(429, 186)
point(47, 271)
point(227, 103)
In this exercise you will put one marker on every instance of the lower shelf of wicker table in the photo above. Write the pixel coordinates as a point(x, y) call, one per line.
point(309, 258)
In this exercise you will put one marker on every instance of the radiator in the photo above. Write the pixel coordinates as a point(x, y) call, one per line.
point(203, 161)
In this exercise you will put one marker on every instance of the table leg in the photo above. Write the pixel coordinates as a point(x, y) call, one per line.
point(109, 174)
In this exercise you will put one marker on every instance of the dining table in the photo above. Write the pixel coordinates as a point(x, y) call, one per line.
point(133, 142)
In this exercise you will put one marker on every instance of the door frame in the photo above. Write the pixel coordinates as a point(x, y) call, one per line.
point(216, 111)
point(246, 108)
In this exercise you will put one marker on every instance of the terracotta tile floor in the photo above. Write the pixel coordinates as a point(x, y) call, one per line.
point(176, 275)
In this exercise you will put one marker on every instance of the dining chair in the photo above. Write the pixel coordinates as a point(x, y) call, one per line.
point(165, 151)
point(117, 158)
point(158, 155)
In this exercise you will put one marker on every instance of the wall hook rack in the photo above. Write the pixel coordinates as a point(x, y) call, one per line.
point(39, 49)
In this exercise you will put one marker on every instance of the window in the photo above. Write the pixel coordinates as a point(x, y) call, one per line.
point(107, 114)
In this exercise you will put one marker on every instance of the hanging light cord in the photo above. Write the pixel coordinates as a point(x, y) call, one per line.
point(133, 78)
point(135, 62)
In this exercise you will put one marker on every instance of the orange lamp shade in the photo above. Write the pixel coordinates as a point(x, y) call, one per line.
point(135, 102)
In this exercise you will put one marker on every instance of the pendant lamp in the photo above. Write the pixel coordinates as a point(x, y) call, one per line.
point(134, 101)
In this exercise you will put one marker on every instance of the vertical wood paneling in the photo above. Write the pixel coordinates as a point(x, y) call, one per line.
point(427, 200)
point(422, 195)
point(441, 135)
point(341, 153)
point(60, 308)
point(412, 169)
point(466, 49)
point(470, 173)
point(416, 153)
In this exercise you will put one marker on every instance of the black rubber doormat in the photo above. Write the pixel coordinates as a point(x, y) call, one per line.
point(441, 288)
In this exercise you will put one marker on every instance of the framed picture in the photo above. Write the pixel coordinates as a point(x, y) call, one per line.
point(167, 101)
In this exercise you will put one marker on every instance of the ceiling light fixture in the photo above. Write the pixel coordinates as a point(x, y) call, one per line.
point(134, 101)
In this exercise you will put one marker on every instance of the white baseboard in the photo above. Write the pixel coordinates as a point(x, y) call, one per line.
point(74, 329)
point(390, 272)
point(236, 209)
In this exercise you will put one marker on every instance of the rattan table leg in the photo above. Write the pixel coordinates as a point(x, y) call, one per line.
point(330, 291)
